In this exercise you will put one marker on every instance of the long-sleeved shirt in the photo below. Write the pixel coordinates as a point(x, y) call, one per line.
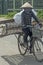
point(27, 16)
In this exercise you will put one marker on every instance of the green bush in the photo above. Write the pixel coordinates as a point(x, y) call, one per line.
point(40, 14)
point(11, 14)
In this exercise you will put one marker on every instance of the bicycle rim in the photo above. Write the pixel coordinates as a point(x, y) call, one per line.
point(38, 49)
point(21, 47)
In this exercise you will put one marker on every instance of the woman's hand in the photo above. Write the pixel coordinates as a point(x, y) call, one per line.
point(40, 25)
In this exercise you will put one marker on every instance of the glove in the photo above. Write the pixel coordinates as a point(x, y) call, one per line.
point(40, 25)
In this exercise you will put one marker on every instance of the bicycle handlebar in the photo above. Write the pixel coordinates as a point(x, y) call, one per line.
point(30, 26)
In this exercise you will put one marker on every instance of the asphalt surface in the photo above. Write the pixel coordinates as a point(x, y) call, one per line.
point(9, 54)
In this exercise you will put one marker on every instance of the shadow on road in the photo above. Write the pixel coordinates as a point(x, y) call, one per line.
point(21, 60)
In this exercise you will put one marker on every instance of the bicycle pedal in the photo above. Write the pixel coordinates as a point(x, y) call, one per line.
point(28, 48)
point(22, 44)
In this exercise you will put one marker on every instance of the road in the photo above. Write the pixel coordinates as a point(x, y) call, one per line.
point(9, 54)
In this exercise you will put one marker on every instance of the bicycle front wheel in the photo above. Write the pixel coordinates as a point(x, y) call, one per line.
point(38, 49)
point(21, 45)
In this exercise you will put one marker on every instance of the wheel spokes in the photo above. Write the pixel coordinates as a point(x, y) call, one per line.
point(38, 47)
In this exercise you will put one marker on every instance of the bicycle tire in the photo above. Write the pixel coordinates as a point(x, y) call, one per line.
point(38, 56)
point(21, 52)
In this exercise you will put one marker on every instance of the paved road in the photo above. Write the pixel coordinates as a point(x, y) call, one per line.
point(9, 54)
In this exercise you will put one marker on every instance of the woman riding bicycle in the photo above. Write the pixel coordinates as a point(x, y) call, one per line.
point(26, 20)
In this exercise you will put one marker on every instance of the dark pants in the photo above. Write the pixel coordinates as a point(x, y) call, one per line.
point(27, 32)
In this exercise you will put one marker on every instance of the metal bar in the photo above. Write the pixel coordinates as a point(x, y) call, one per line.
point(16, 36)
point(10, 34)
point(38, 9)
point(14, 4)
point(22, 2)
point(32, 3)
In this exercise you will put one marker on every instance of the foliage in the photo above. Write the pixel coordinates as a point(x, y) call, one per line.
point(40, 14)
point(11, 14)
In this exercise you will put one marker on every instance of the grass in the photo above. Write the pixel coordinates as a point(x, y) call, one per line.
point(3, 16)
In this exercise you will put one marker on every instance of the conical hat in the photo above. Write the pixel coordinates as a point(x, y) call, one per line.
point(26, 5)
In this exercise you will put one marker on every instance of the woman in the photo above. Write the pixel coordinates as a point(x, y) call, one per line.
point(27, 15)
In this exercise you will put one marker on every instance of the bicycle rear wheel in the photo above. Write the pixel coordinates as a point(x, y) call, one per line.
point(38, 49)
point(21, 45)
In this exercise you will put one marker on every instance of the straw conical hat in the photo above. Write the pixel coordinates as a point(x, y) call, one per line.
point(26, 5)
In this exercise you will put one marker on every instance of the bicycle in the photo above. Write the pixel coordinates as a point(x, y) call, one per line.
point(37, 44)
